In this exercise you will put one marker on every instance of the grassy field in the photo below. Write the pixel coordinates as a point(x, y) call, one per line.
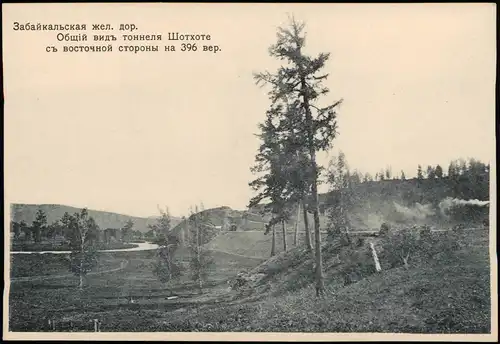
point(252, 244)
point(446, 294)
point(106, 296)
point(255, 243)
point(34, 265)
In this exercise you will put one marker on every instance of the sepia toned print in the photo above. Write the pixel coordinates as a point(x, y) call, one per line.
point(250, 171)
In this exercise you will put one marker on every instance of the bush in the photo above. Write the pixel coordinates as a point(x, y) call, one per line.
point(411, 246)
point(384, 229)
point(400, 246)
point(359, 242)
point(358, 265)
point(446, 247)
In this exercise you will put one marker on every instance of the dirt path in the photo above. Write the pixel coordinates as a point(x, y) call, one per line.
point(144, 246)
point(123, 265)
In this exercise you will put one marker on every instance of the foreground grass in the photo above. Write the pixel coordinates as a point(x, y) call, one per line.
point(34, 265)
point(403, 301)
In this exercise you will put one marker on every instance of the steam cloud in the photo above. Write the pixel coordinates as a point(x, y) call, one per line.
point(371, 216)
point(418, 212)
point(448, 203)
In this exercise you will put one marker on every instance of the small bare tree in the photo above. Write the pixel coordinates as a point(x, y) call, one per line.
point(165, 268)
point(201, 260)
point(343, 197)
point(83, 236)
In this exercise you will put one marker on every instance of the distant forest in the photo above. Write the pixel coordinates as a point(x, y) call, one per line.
point(462, 179)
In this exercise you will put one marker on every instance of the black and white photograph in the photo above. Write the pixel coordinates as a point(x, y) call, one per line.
point(250, 171)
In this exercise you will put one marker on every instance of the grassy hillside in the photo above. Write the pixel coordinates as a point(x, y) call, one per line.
point(252, 244)
point(410, 201)
point(279, 294)
point(54, 212)
point(469, 185)
point(223, 217)
point(411, 191)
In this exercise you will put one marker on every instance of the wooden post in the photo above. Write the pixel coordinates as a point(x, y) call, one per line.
point(375, 257)
point(273, 243)
point(306, 226)
point(284, 234)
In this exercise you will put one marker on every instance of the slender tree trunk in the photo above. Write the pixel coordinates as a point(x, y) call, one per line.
point(348, 236)
point(198, 258)
point(284, 234)
point(296, 233)
point(82, 252)
point(343, 218)
point(273, 244)
point(320, 286)
point(306, 225)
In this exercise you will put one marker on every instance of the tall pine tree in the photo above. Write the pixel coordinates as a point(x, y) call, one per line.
point(300, 83)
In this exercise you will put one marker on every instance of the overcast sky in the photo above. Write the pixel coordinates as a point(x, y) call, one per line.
point(124, 132)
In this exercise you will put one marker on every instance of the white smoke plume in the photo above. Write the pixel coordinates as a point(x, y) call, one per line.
point(371, 216)
point(415, 213)
point(448, 203)
point(367, 221)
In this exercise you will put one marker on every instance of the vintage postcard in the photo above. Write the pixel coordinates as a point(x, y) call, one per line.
point(234, 172)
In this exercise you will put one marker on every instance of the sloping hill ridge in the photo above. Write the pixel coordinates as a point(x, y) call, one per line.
point(223, 217)
point(54, 212)
point(373, 203)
